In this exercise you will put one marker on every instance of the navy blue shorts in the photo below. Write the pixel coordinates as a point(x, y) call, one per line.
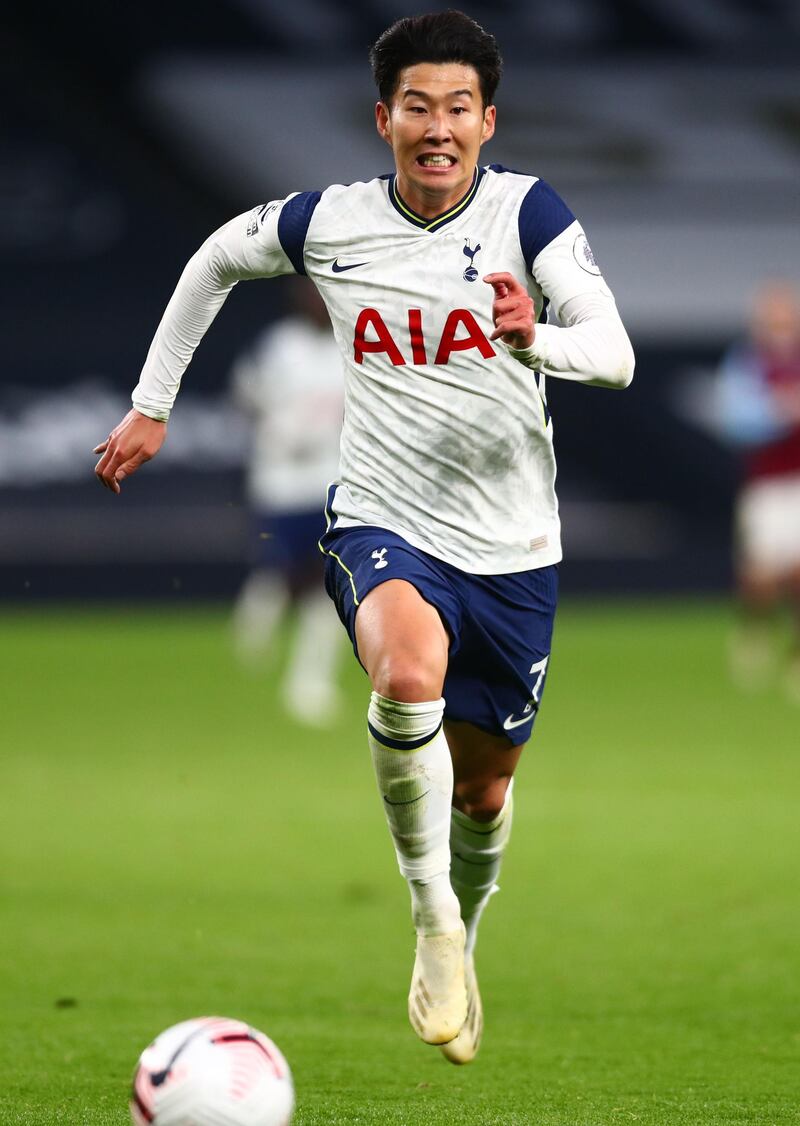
point(285, 540)
point(500, 626)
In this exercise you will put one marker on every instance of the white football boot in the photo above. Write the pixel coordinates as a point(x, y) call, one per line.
point(465, 1046)
point(437, 1001)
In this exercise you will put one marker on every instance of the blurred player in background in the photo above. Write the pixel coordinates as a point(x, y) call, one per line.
point(443, 535)
point(760, 407)
point(290, 386)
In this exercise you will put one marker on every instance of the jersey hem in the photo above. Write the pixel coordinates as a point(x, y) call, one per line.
point(543, 559)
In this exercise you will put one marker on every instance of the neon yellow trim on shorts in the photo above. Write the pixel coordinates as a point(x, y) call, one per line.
point(328, 518)
point(346, 569)
point(328, 522)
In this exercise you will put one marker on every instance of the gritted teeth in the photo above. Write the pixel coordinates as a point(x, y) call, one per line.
point(436, 160)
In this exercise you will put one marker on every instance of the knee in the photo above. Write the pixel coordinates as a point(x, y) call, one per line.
point(481, 799)
point(408, 681)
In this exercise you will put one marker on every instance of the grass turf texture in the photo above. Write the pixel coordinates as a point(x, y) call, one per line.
point(172, 845)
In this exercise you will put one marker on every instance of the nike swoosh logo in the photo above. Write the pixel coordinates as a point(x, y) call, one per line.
point(510, 722)
point(410, 801)
point(337, 269)
point(159, 1077)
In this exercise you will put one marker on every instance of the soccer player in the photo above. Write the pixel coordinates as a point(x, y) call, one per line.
point(760, 413)
point(442, 537)
point(293, 452)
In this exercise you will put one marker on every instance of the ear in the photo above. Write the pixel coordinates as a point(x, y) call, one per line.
point(383, 122)
point(489, 116)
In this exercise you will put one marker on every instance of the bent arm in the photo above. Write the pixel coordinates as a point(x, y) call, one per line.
point(234, 252)
point(208, 278)
point(590, 346)
point(249, 246)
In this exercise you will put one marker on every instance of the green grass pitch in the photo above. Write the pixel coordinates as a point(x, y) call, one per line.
point(172, 846)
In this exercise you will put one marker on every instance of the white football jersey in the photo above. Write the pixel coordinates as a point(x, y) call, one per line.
point(290, 385)
point(447, 438)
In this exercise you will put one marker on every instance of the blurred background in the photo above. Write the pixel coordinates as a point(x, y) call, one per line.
point(130, 132)
point(176, 838)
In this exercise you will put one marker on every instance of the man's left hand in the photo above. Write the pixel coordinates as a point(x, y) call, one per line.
point(513, 311)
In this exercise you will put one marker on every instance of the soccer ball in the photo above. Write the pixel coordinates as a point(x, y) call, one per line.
point(212, 1072)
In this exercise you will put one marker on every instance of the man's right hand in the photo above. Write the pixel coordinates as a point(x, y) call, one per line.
point(134, 441)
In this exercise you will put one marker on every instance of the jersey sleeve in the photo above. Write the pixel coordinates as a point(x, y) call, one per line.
point(265, 242)
point(590, 345)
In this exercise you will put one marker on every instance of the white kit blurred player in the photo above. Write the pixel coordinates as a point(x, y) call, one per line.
point(290, 386)
point(759, 383)
point(443, 537)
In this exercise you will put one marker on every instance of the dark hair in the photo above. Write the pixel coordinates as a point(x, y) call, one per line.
point(439, 37)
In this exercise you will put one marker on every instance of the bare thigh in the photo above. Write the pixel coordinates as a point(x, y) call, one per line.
point(402, 643)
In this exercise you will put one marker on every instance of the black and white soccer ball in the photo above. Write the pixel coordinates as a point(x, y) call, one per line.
point(212, 1071)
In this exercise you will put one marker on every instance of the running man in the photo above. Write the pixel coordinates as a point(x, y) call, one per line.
point(442, 538)
point(292, 453)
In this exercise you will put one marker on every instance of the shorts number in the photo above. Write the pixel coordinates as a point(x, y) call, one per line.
point(541, 668)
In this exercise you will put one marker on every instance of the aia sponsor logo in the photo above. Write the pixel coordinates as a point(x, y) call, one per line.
point(460, 333)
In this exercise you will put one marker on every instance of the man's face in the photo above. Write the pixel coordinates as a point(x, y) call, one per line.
point(436, 124)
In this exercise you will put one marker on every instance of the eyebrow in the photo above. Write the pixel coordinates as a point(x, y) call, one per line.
point(422, 94)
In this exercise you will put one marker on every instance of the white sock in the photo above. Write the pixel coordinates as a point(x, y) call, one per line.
point(310, 690)
point(415, 779)
point(477, 851)
point(256, 614)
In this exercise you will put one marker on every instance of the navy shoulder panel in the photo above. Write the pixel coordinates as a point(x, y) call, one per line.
point(542, 217)
point(293, 226)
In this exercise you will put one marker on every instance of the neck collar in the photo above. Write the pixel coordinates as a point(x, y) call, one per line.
point(423, 222)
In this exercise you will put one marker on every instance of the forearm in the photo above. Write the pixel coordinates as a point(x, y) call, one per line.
point(246, 247)
point(206, 281)
point(592, 347)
